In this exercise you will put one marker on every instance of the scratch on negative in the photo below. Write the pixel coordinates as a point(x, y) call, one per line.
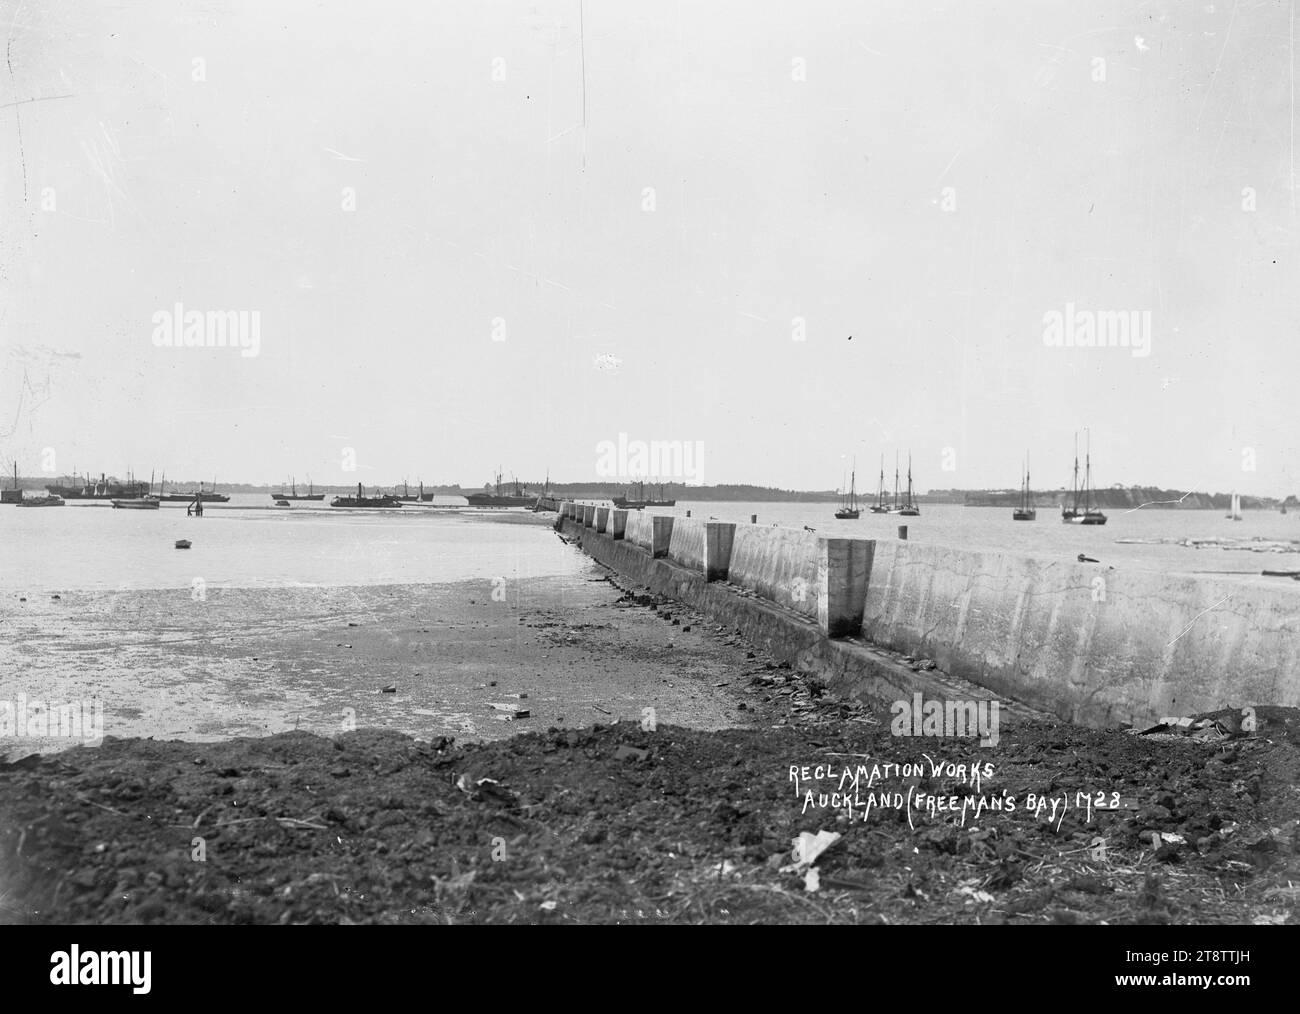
point(1154, 502)
point(1200, 614)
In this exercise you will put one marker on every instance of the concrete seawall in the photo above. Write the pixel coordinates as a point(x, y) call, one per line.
point(1092, 645)
point(780, 564)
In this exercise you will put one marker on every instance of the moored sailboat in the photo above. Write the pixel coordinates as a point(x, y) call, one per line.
point(849, 508)
point(1089, 515)
point(1234, 512)
point(1026, 510)
point(909, 509)
point(880, 507)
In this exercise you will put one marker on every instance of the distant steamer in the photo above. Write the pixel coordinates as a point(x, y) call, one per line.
point(360, 500)
point(311, 493)
point(104, 489)
point(520, 497)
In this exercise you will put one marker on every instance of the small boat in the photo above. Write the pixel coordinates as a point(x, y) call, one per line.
point(41, 501)
point(1234, 512)
point(849, 509)
point(283, 503)
point(182, 543)
point(1026, 511)
point(1089, 515)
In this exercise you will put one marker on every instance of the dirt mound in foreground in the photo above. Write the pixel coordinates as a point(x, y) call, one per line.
point(616, 823)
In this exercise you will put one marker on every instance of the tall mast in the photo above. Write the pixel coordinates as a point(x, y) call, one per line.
point(895, 478)
point(1087, 473)
point(909, 478)
point(1075, 485)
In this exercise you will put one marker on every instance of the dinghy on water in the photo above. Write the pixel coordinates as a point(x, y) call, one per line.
point(1234, 512)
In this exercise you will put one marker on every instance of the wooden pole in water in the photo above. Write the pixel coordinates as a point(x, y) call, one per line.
point(902, 532)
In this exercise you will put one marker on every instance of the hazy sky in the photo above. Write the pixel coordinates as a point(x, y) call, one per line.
point(640, 199)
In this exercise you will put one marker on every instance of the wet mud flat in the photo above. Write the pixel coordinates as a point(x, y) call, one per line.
point(638, 821)
point(426, 660)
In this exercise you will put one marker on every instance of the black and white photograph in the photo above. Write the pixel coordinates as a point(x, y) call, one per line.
point(594, 462)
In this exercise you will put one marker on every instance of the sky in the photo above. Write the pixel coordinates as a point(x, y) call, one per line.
point(783, 237)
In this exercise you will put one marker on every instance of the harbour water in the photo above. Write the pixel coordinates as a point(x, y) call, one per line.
point(250, 543)
point(992, 528)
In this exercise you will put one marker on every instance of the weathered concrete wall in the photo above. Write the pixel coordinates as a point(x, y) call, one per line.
point(1093, 645)
point(640, 529)
point(779, 564)
point(848, 668)
point(686, 544)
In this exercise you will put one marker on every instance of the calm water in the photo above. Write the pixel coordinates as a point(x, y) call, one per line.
point(992, 528)
point(249, 543)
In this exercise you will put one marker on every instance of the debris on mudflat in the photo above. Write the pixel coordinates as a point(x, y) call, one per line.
point(1212, 726)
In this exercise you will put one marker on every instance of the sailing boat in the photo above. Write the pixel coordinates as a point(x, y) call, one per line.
point(880, 507)
point(1026, 511)
point(894, 507)
point(1234, 513)
point(849, 509)
point(909, 509)
point(1090, 515)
